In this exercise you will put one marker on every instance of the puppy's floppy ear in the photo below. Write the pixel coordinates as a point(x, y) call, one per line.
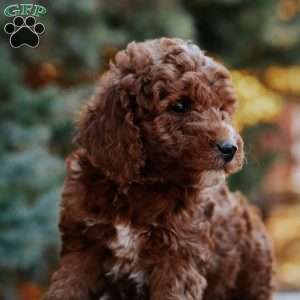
point(108, 134)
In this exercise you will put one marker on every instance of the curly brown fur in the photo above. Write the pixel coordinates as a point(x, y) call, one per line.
point(146, 213)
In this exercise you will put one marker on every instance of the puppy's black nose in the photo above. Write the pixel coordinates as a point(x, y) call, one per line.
point(227, 150)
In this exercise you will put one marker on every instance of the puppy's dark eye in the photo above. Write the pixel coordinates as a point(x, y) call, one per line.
point(181, 106)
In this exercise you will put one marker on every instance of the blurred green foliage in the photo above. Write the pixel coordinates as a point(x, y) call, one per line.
point(36, 116)
point(249, 179)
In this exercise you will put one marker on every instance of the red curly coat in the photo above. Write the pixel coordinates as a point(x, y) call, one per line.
point(146, 213)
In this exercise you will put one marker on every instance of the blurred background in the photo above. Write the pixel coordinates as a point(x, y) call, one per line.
point(41, 90)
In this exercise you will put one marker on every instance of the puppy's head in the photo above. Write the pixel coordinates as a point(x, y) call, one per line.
point(162, 111)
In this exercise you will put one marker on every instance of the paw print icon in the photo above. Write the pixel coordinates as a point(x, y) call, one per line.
point(24, 32)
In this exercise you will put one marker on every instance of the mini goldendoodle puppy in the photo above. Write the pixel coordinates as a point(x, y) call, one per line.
point(146, 212)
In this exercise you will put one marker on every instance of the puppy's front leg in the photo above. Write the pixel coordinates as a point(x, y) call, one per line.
point(76, 279)
point(175, 280)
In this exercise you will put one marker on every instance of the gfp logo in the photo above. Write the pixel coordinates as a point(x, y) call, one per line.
point(24, 30)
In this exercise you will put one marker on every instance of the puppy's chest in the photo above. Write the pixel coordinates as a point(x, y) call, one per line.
point(126, 247)
point(126, 242)
point(130, 244)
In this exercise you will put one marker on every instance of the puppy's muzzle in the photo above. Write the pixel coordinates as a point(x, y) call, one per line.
point(227, 150)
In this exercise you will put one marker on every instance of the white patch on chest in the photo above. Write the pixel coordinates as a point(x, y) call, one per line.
point(125, 248)
point(125, 245)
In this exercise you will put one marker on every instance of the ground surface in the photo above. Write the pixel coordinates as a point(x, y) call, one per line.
point(287, 296)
